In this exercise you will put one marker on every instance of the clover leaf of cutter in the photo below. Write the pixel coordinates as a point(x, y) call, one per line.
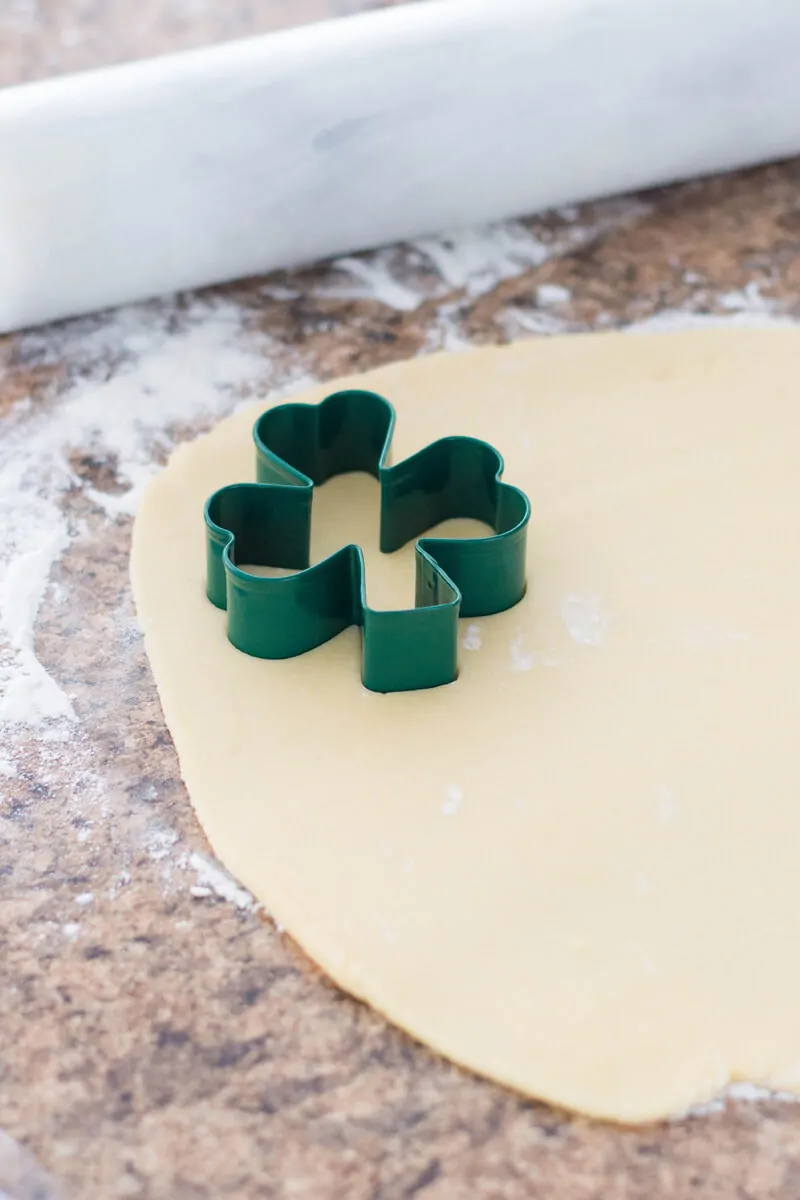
point(268, 523)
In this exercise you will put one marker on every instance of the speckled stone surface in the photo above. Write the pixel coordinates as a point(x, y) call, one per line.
point(39, 38)
point(162, 1041)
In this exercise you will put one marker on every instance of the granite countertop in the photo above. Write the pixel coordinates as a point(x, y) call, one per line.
point(161, 1038)
point(40, 38)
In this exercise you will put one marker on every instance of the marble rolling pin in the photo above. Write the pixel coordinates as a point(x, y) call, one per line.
point(192, 169)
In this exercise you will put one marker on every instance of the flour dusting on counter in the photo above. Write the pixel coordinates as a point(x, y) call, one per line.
point(214, 880)
point(746, 308)
point(27, 690)
point(749, 1093)
point(473, 261)
point(139, 373)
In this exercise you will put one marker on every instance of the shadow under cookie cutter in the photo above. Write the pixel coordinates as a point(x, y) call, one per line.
point(268, 523)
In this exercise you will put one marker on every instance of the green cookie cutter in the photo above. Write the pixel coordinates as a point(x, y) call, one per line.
point(269, 523)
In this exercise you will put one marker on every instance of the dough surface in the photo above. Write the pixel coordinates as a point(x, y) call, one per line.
point(577, 869)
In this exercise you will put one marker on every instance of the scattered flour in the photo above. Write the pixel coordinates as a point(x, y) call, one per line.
point(21, 1177)
point(748, 1092)
point(472, 638)
point(25, 686)
point(584, 618)
point(212, 879)
point(139, 374)
point(747, 300)
point(379, 283)
point(676, 320)
point(159, 843)
point(667, 807)
point(548, 294)
point(159, 377)
point(476, 260)
point(473, 261)
point(521, 660)
point(454, 798)
point(445, 331)
point(278, 291)
point(746, 308)
point(544, 324)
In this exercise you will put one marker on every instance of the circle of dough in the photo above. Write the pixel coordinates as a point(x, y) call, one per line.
point(575, 870)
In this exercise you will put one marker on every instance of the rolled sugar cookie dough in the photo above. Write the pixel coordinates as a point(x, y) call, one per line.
point(577, 869)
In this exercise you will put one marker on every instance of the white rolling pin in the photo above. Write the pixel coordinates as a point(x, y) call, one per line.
point(195, 168)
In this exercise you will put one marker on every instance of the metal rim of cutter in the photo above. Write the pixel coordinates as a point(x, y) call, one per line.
point(268, 523)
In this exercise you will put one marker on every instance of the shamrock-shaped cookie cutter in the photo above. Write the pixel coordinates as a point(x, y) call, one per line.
point(268, 523)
